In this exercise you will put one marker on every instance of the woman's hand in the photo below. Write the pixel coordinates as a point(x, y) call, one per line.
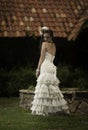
point(37, 73)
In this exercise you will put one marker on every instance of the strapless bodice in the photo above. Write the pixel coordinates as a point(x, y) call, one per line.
point(48, 65)
point(49, 57)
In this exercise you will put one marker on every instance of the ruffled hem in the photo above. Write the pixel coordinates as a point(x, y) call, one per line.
point(46, 110)
point(48, 99)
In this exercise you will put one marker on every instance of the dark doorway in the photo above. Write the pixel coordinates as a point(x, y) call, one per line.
point(82, 49)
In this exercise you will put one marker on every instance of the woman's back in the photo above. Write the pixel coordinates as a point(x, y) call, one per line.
point(51, 48)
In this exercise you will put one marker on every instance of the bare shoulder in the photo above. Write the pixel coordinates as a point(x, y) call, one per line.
point(44, 44)
point(49, 46)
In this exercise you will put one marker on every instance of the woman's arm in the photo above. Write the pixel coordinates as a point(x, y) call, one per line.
point(41, 59)
point(42, 55)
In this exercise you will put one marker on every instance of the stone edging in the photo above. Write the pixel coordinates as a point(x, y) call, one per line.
point(76, 102)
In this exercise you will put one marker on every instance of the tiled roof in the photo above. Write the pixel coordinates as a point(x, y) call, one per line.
point(19, 18)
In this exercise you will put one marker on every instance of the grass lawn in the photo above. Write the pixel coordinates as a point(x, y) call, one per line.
point(12, 117)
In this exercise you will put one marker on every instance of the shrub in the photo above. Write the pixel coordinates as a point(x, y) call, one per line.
point(72, 77)
point(64, 74)
point(14, 80)
point(80, 78)
point(4, 78)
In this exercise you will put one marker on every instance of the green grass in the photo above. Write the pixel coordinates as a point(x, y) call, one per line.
point(12, 117)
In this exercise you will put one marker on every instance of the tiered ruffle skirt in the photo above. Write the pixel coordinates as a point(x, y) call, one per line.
point(48, 98)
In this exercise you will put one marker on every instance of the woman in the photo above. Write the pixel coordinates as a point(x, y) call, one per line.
point(48, 98)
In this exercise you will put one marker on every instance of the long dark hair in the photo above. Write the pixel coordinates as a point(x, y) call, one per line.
point(50, 32)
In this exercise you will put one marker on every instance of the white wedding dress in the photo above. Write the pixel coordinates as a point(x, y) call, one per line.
point(48, 97)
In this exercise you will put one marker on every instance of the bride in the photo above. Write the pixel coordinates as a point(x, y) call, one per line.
point(48, 98)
